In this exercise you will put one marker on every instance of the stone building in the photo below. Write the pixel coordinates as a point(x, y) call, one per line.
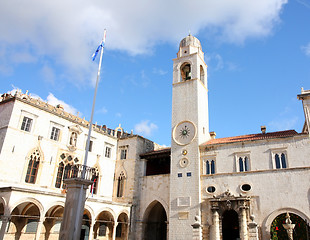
point(202, 187)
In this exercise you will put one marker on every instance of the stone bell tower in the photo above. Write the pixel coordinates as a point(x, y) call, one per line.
point(190, 128)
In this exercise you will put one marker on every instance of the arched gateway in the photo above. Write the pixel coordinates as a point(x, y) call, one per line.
point(155, 222)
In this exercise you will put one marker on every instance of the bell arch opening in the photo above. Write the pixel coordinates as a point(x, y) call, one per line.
point(186, 72)
point(155, 222)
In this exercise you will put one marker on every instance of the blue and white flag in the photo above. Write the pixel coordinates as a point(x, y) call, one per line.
point(100, 46)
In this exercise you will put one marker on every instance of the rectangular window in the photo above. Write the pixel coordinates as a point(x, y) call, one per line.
point(102, 230)
point(90, 145)
point(55, 133)
point(123, 153)
point(107, 152)
point(32, 225)
point(26, 124)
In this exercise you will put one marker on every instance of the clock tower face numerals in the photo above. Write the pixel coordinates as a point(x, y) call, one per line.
point(184, 133)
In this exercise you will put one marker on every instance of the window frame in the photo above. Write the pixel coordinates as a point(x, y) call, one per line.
point(246, 161)
point(279, 152)
point(28, 115)
point(108, 151)
point(209, 165)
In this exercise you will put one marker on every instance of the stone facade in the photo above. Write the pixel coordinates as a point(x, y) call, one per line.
point(199, 188)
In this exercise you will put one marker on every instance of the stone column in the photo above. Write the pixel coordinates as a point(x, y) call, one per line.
point(215, 229)
point(253, 230)
point(4, 219)
point(114, 231)
point(39, 228)
point(243, 222)
point(74, 208)
point(91, 230)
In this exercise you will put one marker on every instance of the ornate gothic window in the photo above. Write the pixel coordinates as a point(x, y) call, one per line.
point(120, 185)
point(243, 164)
point(33, 165)
point(280, 160)
point(95, 178)
point(66, 168)
point(210, 167)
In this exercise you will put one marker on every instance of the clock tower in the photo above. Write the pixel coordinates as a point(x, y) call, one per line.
point(190, 128)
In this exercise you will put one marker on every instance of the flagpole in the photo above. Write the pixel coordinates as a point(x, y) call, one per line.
point(94, 101)
point(81, 203)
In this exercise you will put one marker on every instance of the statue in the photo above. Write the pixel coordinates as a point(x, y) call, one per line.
point(288, 226)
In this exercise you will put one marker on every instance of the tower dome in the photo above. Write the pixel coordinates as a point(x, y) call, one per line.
point(190, 40)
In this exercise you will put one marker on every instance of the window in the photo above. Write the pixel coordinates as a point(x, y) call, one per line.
point(32, 225)
point(55, 133)
point(107, 152)
point(280, 160)
point(94, 186)
point(123, 153)
point(59, 175)
point(90, 148)
point(243, 164)
point(120, 185)
point(26, 124)
point(242, 161)
point(33, 165)
point(210, 167)
point(102, 229)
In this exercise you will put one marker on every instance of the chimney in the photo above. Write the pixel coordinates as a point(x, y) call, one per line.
point(212, 135)
point(60, 106)
point(263, 129)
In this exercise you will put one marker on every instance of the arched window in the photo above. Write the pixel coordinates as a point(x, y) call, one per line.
point(120, 185)
point(243, 164)
point(59, 175)
point(277, 159)
point(186, 73)
point(202, 74)
point(210, 167)
point(95, 178)
point(33, 165)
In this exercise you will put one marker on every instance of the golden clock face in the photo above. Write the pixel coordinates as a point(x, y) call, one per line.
point(184, 133)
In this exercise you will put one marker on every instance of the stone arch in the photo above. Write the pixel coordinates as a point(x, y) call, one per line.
point(269, 219)
point(25, 217)
point(86, 224)
point(122, 226)
point(155, 222)
point(104, 225)
point(28, 199)
point(52, 222)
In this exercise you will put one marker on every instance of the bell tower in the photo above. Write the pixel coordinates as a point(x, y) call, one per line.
point(190, 128)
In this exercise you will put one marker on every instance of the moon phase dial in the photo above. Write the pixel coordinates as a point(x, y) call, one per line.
point(184, 133)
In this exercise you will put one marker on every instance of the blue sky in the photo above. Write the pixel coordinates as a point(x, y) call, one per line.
point(257, 52)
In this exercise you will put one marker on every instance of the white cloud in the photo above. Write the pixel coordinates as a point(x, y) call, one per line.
point(51, 99)
point(69, 31)
point(306, 49)
point(159, 71)
point(102, 110)
point(283, 124)
point(145, 128)
point(48, 74)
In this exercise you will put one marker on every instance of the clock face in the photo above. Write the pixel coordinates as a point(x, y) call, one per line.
point(184, 133)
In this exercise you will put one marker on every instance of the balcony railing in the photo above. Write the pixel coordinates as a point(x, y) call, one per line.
point(79, 171)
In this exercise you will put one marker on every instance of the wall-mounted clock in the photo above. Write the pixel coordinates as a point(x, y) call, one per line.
point(184, 133)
